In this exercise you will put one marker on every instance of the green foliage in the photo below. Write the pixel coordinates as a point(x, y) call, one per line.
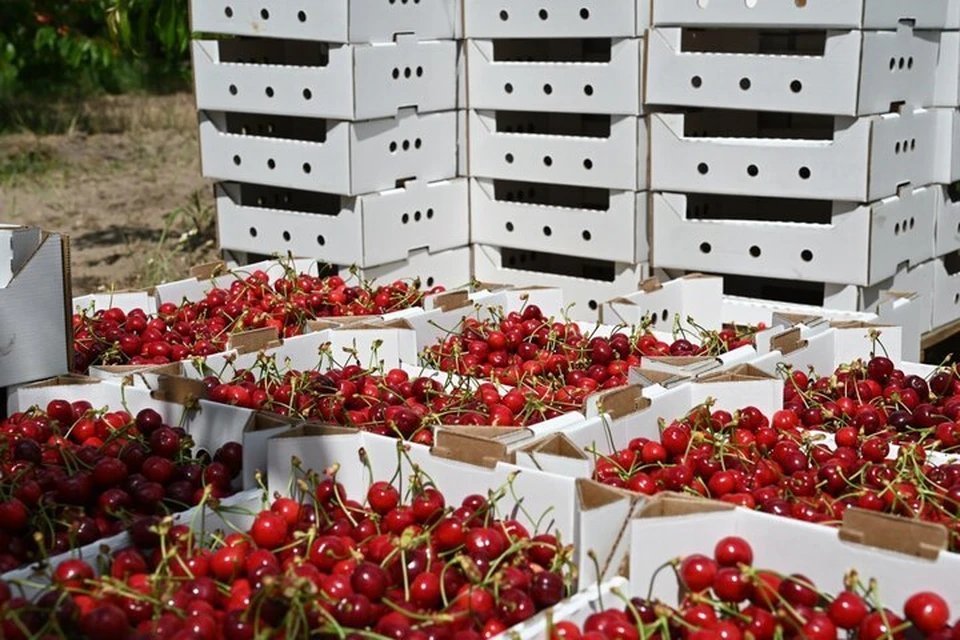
point(57, 48)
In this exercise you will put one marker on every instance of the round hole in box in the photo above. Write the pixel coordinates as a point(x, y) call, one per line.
point(416, 216)
point(755, 251)
point(593, 305)
point(804, 173)
point(233, 90)
point(504, 16)
point(588, 89)
point(547, 89)
point(321, 240)
point(508, 158)
point(393, 147)
point(269, 92)
point(806, 255)
point(753, 171)
point(508, 88)
point(893, 64)
point(406, 145)
point(307, 94)
point(228, 11)
point(665, 315)
point(302, 16)
point(587, 235)
point(543, 14)
point(271, 164)
point(745, 83)
point(796, 86)
point(705, 247)
point(396, 73)
point(307, 168)
point(264, 14)
point(548, 161)
point(901, 63)
point(417, 143)
point(286, 236)
point(406, 72)
point(419, 72)
point(587, 164)
point(253, 232)
point(429, 214)
point(896, 229)
point(405, 218)
point(430, 281)
point(956, 298)
point(913, 144)
point(910, 62)
point(703, 168)
point(896, 147)
point(912, 222)
point(696, 81)
point(585, 13)
point(237, 160)
point(509, 226)
point(547, 231)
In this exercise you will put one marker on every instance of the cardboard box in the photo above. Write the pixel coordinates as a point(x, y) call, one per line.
point(695, 297)
point(330, 21)
point(946, 290)
point(571, 275)
point(348, 158)
point(565, 75)
point(366, 231)
point(559, 148)
point(850, 73)
point(947, 160)
point(745, 153)
point(559, 19)
point(594, 599)
point(917, 279)
point(948, 70)
point(35, 315)
point(947, 238)
point(572, 221)
point(859, 244)
point(449, 268)
point(788, 14)
point(902, 556)
point(319, 80)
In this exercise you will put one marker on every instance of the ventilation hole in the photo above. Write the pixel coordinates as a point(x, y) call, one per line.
point(286, 236)
point(229, 12)
point(753, 171)
point(429, 214)
point(696, 81)
point(302, 16)
point(253, 232)
point(406, 145)
point(504, 16)
point(705, 247)
point(264, 14)
point(233, 89)
point(588, 89)
point(419, 72)
point(585, 13)
point(587, 164)
point(396, 73)
point(665, 315)
point(956, 298)
point(508, 158)
point(896, 147)
point(654, 318)
point(547, 89)
point(745, 83)
point(805, 173)
point(547, 231)
point(307, 168)
point(508, 88)
point(900, 63)
point(913, 144)
point(543, 14)
point(416, 216)
point(703, 168)
point(393, 147)
point(910, 62)
point(755, 251)
point(548, 161)
point(236, 160)
point(307, 94)
point(896, 229)
point(587, 235)
point(405, 218)
point(269, 92)
point(509, 226)
point(406, 72)
point(593, 305)
point(912, 222)
point(796, 86)
point(430, 281)
point(271, 164)
point(806, 255)
point(893, 64)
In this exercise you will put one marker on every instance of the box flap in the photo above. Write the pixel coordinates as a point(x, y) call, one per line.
point(255, 340)
point(894, 533)
point(462, 447)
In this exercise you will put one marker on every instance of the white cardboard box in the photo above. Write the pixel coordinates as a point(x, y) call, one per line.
point(585, 294)
point(570, 221)
point(595, 151)
point(862, 244)
point(917, 279)
point(948, 223)
point(693, 296)
point(946, 290)
point(783, 14)
point(35, 314)
point(316, 80)
point(331, 156)
point(365, 230)
point(330, 21)
point(864, 160)
point(859, 72)
point(556, 19)
point(563, 82)
point(948, 71)
point(947, 161)
point(450, 268)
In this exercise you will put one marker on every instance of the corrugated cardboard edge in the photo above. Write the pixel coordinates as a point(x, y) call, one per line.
point(621, 402)
point(255, 340)
point(470, 449)
point(63, 381)
point(209, 270)
point(788, 341)
point(894, 533)
point(650, 285)
point(557, 444)
point(178, 389)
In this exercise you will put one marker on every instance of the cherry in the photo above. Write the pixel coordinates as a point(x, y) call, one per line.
point(927, 611)
point(269, 530)
point(697, 572)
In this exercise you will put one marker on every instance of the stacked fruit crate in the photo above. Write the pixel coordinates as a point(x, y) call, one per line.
point(796, 147)
point(557, 146)
point(334, 130)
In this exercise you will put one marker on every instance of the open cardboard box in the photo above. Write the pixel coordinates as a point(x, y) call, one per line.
point(903, 556)
point(695, 296)
point(585, 514)
point(35, 326)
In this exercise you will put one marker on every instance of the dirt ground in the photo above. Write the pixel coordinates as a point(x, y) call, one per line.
point(124, 183)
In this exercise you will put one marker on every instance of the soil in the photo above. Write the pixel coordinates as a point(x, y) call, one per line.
point(127, 190)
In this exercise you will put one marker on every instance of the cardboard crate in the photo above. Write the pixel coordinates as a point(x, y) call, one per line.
point(574, 221)
point(850, 73)
point(947, 239)
point(318, 80)
point(947, 92)
point(946, 290)
point(607, 152)
point(35, 314)
point(793, 156)
point(802, 240)
point(585, 283)
point(450, 268)
point(331, 156)
point(947, 161)
point(556, 19)
point(562, 75)
point(329, 21)
point(917, 279)
point(789, 14)
point(366, 231)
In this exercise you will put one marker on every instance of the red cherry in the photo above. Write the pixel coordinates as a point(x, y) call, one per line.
point(927, 611)
point(697, 572)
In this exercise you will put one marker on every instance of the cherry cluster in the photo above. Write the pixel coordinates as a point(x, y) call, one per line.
point(410, 567)
point(525, 348)
point(774, 465)
point(730, 599)
point(877, 399)
point(390, 403)
point(202, 328)
point(70, 475)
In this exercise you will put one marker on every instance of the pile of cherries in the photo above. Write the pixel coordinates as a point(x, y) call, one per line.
point(730, 599)
point(70, 475)
point(776, 466)
point(410, 567)
point(877, 399)
point(390, 403)
point(202, 328)
point(525, 348)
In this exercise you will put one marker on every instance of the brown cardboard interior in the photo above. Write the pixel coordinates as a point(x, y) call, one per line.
point(622, 402)
point(788, 341)
point(255, 340)
point(462, 447)
point(64, 381)
point(208, 270)
point(739, 373)
point(557, 444)
point(894, 533)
